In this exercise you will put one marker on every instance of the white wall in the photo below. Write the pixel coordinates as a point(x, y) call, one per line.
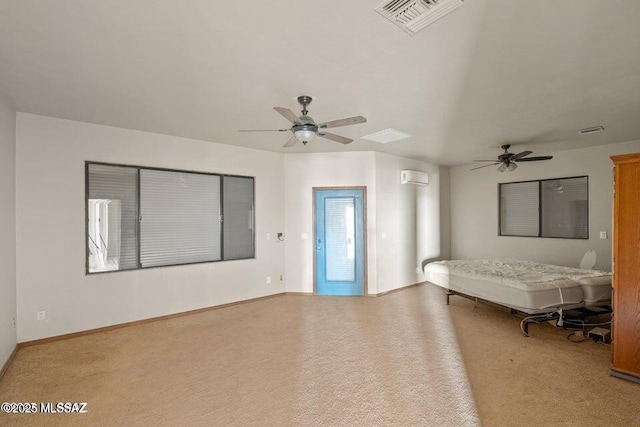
point(50, 229)
point(305, 171)
point(410, 224)
point(7, 230)
point(410, 218)
point(474, 208)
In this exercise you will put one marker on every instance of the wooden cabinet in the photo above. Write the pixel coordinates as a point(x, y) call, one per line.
point(626, 267)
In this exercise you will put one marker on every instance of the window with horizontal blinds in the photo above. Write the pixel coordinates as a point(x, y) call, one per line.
point(112, 213)
point(149, 217)
point(565, 208)
point(339, 214)
point(238, 217)
point(557, 208)
point(519, 204)
point(179, 218)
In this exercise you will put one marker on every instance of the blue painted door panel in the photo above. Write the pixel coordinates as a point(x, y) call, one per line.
point(339, 242)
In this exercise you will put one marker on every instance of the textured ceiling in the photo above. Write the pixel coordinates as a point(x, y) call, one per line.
point(492, 72)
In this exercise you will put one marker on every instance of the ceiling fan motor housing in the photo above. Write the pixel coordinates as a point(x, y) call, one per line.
point(505, 157)
point(305, 132)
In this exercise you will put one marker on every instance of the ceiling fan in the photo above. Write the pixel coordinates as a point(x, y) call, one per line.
point(304, 128)
point(508, 160)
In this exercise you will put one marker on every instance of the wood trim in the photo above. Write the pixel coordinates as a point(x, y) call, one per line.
point(12, 356)
point(140, 322)
point(625, 158)
point(299, 293)
point(313, 235)
point(399, 289)
point(364, 234)
point(366, 245)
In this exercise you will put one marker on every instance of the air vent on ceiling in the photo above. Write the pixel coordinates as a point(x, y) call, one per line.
point(414, 15)
point(594, 129)
point(386, 136)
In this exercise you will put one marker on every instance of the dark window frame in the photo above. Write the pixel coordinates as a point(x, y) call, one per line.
point(540, 181)
point(87, 163)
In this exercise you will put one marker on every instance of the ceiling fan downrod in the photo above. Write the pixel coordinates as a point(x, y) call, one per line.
point(304, 100)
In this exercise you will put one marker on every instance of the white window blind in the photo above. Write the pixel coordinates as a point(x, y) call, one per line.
point(112, 212)
point(519, 209)
point(565, 208)
point(556, 208)
point(139, 217)
point(238, 217)
point(340, 239)
point(180, 218)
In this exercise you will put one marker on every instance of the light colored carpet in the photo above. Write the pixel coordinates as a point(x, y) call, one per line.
point(542, 380)
point(302, 360)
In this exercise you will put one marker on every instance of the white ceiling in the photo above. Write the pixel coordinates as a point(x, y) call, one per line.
point(492, 72)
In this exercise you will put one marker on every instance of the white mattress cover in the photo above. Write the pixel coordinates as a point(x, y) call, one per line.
point(525, 275)
point(525, 285)
point(542, 300)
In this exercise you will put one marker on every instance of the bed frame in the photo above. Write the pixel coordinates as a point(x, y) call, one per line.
point(574, 315)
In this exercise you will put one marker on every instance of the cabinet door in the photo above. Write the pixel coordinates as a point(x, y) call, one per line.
point(626, 354)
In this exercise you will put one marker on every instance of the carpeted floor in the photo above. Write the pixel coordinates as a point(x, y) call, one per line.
point(401, 359)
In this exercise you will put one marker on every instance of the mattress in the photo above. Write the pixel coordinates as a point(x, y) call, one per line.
point(522, 285)
point(596, 290)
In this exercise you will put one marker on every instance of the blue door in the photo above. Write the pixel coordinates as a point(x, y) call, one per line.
point(339, 241)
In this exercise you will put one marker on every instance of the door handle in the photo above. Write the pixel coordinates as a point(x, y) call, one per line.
point(319, 247)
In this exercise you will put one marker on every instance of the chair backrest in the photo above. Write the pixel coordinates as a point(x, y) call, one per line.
point(588, 260)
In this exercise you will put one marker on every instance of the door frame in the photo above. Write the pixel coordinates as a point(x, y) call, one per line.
point(364, 234)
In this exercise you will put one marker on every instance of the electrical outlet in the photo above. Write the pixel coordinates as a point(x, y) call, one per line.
point(41, 315)
point(268, 280)
point(603, 234)
point(281, 277)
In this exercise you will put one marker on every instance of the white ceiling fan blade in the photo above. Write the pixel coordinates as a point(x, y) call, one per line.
point(342, 122)
point(336, 138)
point(288, 114)
point(480, 167)
point(264, 130)
point(291, 142)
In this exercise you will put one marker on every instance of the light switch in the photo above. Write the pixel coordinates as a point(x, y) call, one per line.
point(383, 235)
point(268, 236)
point(603, 234)
point(304, 236)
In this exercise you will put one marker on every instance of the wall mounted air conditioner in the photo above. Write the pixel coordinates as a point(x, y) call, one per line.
point(414, 177)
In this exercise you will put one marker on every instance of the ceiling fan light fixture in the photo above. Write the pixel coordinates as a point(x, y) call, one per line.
point(304, 135)
point(508, 160)
point(305, 129)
